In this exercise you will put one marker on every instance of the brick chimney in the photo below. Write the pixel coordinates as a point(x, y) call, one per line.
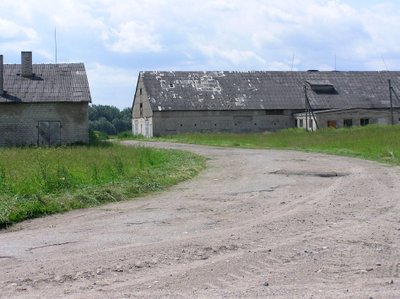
point(26, 64)
point(1, 75)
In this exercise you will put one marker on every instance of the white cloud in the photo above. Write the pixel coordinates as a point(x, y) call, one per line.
point(14, 37)
point(11, 30)
point(382, 26)
point(279, 66)
point(242, 32)
point(233, 56)
point(109, 75)
point(8, 29)
point(111, 85)
point(131, 37)
point(207, 34)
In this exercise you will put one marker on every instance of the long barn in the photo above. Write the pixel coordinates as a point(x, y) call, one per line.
point(43, 104)
point(181, 102)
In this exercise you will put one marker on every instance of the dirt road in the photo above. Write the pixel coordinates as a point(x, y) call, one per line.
point(255, 224)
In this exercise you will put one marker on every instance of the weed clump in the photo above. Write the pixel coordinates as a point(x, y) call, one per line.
point(40, 181)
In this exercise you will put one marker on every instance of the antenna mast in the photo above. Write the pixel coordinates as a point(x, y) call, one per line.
point(384, 62)
point(55, 43)
point(292, 63)
point(335, 62)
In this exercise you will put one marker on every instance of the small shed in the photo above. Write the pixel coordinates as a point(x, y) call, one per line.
point(43, 104)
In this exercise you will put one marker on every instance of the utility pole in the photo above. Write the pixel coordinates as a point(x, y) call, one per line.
point(391, 101)
point(305, 105)
point(309, 111)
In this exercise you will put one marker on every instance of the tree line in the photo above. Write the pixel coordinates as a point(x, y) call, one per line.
point(109, 119)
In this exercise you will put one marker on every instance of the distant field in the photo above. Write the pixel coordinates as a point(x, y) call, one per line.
point(379, 143)
point(38, 181)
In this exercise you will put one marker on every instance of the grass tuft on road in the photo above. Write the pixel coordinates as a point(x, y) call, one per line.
point(378, 143)
point(41, 181)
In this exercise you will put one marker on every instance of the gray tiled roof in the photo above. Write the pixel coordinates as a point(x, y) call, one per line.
point(266, 90)
point(50, 83)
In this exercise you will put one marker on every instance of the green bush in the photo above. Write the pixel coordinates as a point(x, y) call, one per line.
point(125, 135)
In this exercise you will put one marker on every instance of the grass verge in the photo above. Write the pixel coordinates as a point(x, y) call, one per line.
point(40, 181)
point(378, 143)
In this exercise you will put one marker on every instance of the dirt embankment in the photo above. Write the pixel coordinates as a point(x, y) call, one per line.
point(256, 223)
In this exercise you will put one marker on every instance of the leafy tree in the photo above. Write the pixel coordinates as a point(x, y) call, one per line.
point(103, 125)
point(120, 125)
point(109, 112)
point(109, 119)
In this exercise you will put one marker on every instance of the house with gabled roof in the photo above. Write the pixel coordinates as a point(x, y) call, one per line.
point(43, 104)
point(182, 102)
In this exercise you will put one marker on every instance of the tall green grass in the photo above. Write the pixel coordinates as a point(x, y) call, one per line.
point(37, 181)
point(379, 143)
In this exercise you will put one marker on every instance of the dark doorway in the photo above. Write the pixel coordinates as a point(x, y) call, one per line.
point(347, 123)
point(364, 121)
point(49, 133)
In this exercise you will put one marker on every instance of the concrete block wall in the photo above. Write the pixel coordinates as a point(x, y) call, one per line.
point(175, 122)
point(381, 117)
point(374, 117)
point(19, 122)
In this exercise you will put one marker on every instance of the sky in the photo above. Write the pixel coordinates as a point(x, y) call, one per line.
point(116, 39)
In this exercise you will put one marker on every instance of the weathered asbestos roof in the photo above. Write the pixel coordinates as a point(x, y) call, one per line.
point(49, 83)
point(181, 91)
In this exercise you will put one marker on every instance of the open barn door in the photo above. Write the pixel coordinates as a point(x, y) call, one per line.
point(49, 133)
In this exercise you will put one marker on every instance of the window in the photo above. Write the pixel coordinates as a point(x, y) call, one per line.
point(141, 109)
point(331, 124)
point(347, 123)
point(274, 112)
point(301, 123)
point(140, 91)
point(364, 121)
point(322, 86)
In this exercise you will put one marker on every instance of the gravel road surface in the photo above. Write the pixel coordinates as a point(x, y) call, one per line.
point(254, 224)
